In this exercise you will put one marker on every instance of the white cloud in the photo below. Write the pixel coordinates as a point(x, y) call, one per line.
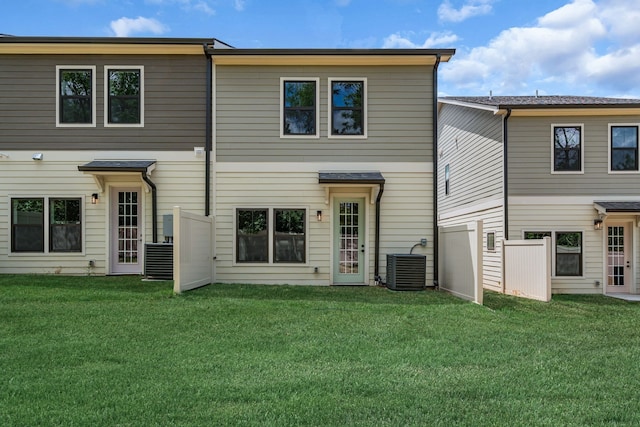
point(239, 5)
point(124, 27)
point(190, 5)
point(397, 41)
point(446, 12)
point(559, 54)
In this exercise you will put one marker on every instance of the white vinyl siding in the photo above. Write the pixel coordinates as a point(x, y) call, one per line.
point(470, 142)
point(406, 216)
point(179, 178)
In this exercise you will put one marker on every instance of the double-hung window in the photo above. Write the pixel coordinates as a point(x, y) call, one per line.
point(623, 148)
point(347, 115)
point(124, 96)
point(568, 250)
point(271, 235)
point(42, 225)
point(299, 107)
point(75, 97)
point(568, 149)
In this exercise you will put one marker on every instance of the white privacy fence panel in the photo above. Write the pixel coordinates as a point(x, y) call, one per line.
point(460, 260)
point(526, 266)
point(193, 237)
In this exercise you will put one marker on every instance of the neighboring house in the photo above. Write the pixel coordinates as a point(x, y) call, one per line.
point(97, 139)
point(323, 162)
point(315, 163)
point(535, 166)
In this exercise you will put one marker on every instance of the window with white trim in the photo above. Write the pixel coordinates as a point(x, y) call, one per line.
point(271, 235)
point(567, 149)
point(568, 250)
point(46, 224)
point(347, 107)
point(623, 148)
point(75, 96)
point(491, 241)
point(124, 96)
point(299, 113)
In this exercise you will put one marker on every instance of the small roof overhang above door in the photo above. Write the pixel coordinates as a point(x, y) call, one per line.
point(332, 179)
point(606, 208)
point(101, 168)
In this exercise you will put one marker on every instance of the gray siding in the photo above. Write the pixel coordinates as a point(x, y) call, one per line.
point(399, 105)
point(470, 142)
point(530, 159)
point(174, 102)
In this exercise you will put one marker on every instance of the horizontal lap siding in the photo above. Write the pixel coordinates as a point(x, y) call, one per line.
point(559, 217)
point(399, 110)
point(179, 181)
point(470, 142)
point(530, 159)
point(174, 104)
point(405, 218)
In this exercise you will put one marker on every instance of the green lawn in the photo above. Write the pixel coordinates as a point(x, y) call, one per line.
point(84, 351)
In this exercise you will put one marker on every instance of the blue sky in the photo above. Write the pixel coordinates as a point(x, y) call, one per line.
point(508, 47)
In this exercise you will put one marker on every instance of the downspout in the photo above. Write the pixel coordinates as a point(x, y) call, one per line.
point(434, 143)
point(154, 206)
point(376, 265)
point(208, 135)
point(505, 173)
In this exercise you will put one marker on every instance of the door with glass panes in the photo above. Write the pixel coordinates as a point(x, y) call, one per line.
point(126, 231)
point(349, 241)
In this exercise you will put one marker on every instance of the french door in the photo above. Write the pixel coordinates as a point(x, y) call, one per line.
point(126, 231)
point(349, 241)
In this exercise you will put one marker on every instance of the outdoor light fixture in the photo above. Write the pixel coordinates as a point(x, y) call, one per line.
point(37, 156)
point(319, 216)
point(94, 199)
point(597, 224)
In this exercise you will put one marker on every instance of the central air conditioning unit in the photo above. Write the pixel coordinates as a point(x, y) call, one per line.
point(406, 272)
point(158, 261)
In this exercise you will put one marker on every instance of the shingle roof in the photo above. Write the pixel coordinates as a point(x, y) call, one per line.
point(619, 206)
point(545, 101)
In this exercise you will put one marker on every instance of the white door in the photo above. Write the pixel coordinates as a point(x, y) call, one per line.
point(126, 231)
point(619, 257)
point(348, 241)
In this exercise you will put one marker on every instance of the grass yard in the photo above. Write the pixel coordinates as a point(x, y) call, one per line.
point(77, 351)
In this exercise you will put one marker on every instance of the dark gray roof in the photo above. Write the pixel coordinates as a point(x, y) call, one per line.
point(334, 51)
point(338, 177)
point(554, 101)
point(619, 206)
point(117, 166)
point(106, 40)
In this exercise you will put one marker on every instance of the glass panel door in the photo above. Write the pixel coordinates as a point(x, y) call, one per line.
point(126, 237)
point(618, 258)
point(349, 241)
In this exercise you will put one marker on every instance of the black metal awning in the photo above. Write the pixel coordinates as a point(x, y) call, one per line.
point(617, 207)
point(339, 177)
point(117, 166)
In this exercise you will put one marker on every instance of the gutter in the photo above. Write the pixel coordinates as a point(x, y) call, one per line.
point(376, 265)
point(208, 134)
point(154, 206)
point(434, 143)
point(505, 173)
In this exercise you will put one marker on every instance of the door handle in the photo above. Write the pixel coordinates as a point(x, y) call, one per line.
point(362, 250)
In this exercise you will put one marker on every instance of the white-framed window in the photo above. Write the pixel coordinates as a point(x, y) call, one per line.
point(75, 96)
point(123, 96)
point(568, 251)
point(623, 148)
point(46, 224)
point(567, 148)
point(299, 107)
point(491, 241)
point(447, 187)
point(271, 235)
point(347, 102)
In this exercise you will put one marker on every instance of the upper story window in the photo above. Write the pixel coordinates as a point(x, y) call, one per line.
point(623, 148)
point(446, 180)
point(568, 149)
point(347, 116)
point(299, 103)
point(76, 104)
point(124, 96)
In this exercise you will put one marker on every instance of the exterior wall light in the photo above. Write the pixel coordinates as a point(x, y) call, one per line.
point(319, 216)
point(37, 156)
point(597, 224)
point(94, 199)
